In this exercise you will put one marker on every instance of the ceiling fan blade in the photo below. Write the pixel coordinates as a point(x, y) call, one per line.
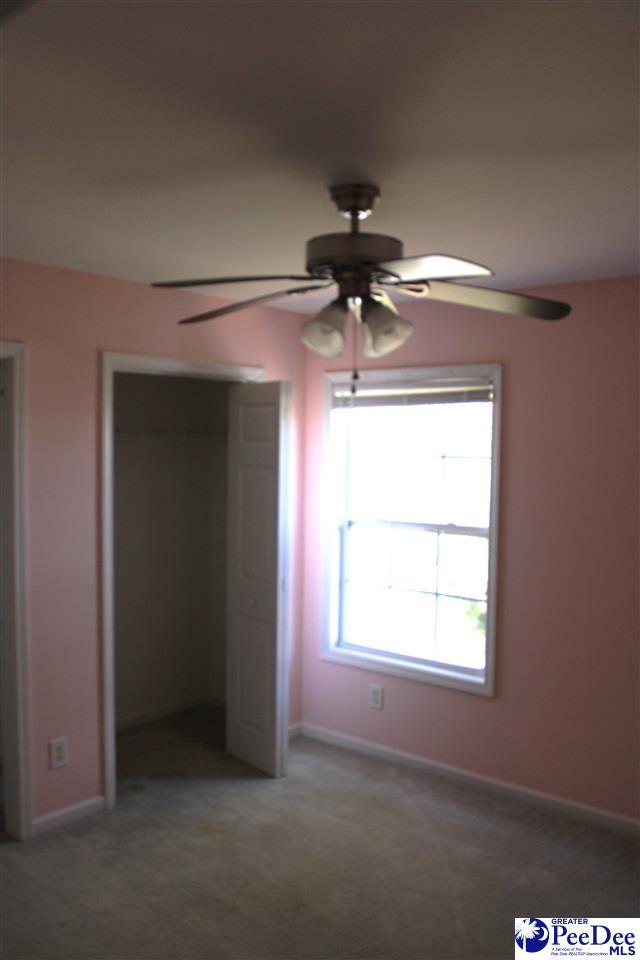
point(208, 282)
point(245, 304)
point(434, 266)
point(486, 299)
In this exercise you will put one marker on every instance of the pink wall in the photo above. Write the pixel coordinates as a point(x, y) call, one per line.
point(565, 716)
point(564, 719)
point(67, 319)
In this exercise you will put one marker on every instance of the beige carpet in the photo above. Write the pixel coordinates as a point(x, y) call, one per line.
point(346, 858)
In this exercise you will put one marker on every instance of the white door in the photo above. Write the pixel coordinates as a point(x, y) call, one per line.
point(258, 591)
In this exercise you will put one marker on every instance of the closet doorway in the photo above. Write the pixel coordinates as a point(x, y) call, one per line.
point(196, 569)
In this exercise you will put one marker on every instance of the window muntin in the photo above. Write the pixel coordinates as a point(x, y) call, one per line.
point(411, 505)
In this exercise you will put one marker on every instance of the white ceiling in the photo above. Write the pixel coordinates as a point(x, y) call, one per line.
point(158, 140)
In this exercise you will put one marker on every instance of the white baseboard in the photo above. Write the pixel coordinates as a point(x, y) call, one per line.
point(582, 810)
point(295, 730)
point(60, 818)
point(135, 719)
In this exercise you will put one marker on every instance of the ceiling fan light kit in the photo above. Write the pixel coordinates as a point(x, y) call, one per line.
point(366, 267)
point(324, 333)
point(383, 329)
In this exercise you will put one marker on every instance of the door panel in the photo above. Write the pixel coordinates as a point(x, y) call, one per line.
point(258, 533)
point(254, 690)
point(257, 486)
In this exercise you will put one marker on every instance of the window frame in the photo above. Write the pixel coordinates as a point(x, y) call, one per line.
point(387, 663)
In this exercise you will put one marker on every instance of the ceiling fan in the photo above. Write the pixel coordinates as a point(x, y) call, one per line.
point(366, 267)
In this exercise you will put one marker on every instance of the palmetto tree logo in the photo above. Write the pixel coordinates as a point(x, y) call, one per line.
point(531, 934)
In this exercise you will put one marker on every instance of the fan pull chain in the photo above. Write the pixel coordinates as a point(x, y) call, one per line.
point(355, 376)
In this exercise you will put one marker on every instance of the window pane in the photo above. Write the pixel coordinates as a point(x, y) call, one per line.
point(419, 491)
point(368, 554)
point(366, 616)
point(391, 465)
point(414, 559)
point(392, 472)
point(461, 631)
point(463, 566)
point(412, 624)
point(467, 429)
point(398, 621)
point(467, 486)
point(399, 466)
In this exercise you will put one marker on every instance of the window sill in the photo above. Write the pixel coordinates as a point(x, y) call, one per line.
point(442, 677)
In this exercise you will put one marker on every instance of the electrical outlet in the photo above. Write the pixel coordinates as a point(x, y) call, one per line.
point(376, 696)
point(58, 753)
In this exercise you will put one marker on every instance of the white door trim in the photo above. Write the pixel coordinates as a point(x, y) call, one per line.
point(162, 366)
point(14, 698)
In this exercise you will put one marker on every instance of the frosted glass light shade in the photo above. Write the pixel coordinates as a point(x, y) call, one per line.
point(383, 329)
point(324, 333)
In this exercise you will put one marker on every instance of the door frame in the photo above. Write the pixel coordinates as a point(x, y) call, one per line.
point(14, 699)
point(113, 363)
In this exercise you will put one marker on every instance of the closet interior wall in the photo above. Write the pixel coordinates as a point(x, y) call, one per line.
point(170, 477)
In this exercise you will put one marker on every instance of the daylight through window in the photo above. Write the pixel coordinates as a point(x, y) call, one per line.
point(413, 492)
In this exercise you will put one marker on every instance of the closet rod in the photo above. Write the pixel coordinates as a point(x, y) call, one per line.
point(175, 433)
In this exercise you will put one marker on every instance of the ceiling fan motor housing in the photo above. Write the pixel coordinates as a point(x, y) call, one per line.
point(345, 252)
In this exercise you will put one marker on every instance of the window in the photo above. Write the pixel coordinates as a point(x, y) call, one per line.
point(412, 470)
